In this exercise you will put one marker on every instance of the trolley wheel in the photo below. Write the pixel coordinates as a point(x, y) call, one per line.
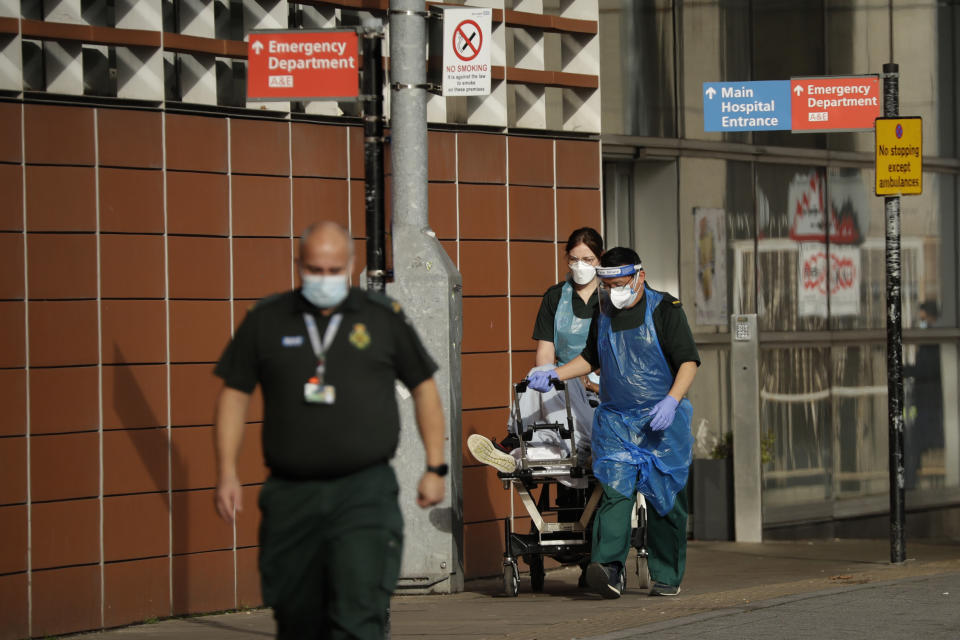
point(643, 572)
point(537, 573)
point(511, 580)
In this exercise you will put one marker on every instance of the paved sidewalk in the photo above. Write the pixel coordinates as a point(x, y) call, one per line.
point(926, 607)
point(731, 590)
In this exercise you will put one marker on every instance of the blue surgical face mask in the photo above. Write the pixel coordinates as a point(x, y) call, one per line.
point(324, 291)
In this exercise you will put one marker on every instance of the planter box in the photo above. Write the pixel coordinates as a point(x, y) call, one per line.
point(713, 499)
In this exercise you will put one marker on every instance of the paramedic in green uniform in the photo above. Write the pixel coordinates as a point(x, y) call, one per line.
point(327, 358)
point(560, 330)
point(567, 308)
point(642, 441)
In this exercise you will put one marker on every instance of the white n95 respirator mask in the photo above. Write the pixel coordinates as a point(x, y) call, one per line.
point(622, 297)
point(582, 272)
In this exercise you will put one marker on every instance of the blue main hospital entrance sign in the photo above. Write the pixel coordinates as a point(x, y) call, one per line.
point(746, 106)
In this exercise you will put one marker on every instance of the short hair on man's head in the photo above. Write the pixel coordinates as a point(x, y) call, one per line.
point(329, 225)
point(619, 256)
point(930, 308)
point(586, 236)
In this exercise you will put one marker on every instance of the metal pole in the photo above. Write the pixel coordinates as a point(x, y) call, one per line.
point(373, 158)
point(891, 108)
point(426, 282)
point(408, 112)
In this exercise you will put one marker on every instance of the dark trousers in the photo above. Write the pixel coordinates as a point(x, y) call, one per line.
point(330, 554)
point(666, 535)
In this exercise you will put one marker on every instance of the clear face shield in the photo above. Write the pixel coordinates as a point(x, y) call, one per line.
point(624, 295)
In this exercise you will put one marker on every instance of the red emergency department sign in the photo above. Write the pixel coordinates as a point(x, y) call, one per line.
point(841, 103)
point(303, 65)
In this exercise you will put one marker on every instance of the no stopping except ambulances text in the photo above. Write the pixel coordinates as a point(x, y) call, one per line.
point(904, 153)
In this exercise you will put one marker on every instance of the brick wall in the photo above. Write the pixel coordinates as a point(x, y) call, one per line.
point(131, 243)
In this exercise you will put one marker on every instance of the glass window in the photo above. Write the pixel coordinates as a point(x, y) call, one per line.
point(859, 419)
point(791, 251)
point(856, 268)
point(710, 396)
point(715, 49)
point(858, 43)
point(788, 41)
point(924, 35)
point(931, 450)
point(617, 203)
point(928, 251)
point(637, 37)
point(796, 436)
point(857, 250)
point(655, 239)
point(611, 70)
point(717, 241)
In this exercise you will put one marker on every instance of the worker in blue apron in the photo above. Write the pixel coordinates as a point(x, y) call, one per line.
point(642, 441)
point(561, 329)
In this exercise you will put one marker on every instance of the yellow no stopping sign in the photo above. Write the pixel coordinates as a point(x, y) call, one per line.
point(899, 156)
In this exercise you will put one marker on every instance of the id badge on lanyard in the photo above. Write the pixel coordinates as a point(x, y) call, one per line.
point(315, 391)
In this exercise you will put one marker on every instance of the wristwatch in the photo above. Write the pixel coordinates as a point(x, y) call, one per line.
point(440, 469)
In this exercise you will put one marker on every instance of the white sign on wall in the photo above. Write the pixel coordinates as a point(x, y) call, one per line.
point(467, 40)
point(840, 268)
point(710, 239)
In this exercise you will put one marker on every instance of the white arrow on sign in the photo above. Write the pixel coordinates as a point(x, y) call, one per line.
point(798, 90)
point(711, 92)
point(257, 47)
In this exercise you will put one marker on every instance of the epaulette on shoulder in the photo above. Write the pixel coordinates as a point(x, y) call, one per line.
point(263, 302)
point(673, 301)
point(385, 301)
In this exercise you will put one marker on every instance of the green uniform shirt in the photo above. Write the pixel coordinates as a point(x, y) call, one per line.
point(374, 346)
point(669, 321)
point(543, 327)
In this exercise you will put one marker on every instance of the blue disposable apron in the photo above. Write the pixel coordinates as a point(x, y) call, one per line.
point(569, 331)
point(634, 376)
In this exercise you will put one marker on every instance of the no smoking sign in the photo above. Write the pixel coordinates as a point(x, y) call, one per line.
point(834, 273)
point(466, 51)
point(467, 40)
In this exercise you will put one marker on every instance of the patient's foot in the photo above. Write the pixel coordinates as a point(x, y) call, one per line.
point(508, 444)
point(486, 451)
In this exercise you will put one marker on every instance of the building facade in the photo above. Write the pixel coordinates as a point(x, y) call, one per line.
point(787, 226)
point(147, 206)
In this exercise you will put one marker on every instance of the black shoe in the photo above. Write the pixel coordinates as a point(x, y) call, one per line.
point(508, 444)
point(608, 579)
point(582, 581)
point(661, 589)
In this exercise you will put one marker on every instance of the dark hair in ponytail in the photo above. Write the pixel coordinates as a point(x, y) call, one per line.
point(587, 236)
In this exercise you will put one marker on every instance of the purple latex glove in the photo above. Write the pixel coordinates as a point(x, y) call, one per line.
point(540, 380)
point(661, 416)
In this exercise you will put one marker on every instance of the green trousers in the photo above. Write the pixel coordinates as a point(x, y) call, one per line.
point(666, 535)
point(330, 554)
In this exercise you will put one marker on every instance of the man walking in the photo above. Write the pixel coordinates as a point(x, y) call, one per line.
point(642, 441)
point(327, 358)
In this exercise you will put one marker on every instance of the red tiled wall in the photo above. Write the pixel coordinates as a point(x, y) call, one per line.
point(120, 283)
